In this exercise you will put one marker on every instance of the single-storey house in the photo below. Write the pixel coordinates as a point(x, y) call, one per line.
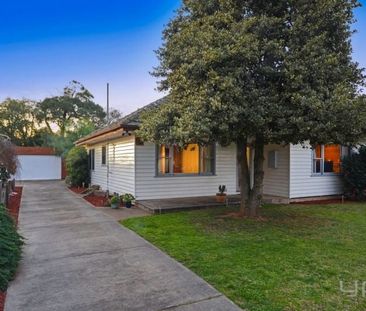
point(120, 162)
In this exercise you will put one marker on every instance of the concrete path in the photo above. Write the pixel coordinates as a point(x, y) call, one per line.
point(78, 258)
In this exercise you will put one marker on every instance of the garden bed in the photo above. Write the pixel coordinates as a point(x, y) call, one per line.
point(14, 203)
point(97, 201)
point(14, 207)
point(2, 300)
point(77, 190)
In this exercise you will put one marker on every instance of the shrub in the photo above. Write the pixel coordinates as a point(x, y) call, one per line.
point(77, 166)
point(115, 199)
point(128, 197)
point(10, 248)
point(8, 159)
point(354, 168)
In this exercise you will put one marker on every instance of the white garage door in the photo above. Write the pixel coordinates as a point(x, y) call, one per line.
point(39, 167)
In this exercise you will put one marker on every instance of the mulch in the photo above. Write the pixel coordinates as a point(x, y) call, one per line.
point(14, 206)
point(97, 201)
point(77, 190)
point(2, 301)
point(14, 203)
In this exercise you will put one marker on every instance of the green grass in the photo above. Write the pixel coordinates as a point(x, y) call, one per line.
point(293, 259)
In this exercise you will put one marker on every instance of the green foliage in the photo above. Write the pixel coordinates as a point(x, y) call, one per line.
point(65, 111)
point(115, 199)
point(278, 71)
point(127, 198)
point(354, 169)
point(56, 121)
point(258, 72)
point(62, 144)
point(292, 259)
point(77, 166)
point(17, 121)
point(10, 248)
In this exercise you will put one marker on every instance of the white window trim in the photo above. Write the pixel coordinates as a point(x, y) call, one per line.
point(314, 159)
point(101, 154)
point(171, 164)
point(92, 159)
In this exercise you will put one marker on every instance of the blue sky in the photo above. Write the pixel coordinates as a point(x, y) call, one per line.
point(46, 44)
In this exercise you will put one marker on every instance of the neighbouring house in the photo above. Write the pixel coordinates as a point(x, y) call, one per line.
point(120, 162)
point(38, 163)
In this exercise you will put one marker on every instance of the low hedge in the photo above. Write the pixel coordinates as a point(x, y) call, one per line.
point(10, 248)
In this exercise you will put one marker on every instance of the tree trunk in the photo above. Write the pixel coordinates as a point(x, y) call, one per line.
point(48, 127)
point(256, 194)
point(244, 176)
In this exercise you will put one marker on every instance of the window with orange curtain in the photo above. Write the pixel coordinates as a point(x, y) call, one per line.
point(186, 160)
point(192, 159)
point(332, 159)
point(327, 159)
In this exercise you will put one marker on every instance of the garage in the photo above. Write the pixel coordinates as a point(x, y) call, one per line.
point(38, 163)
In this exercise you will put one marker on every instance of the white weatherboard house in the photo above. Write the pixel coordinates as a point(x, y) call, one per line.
point(120, 162)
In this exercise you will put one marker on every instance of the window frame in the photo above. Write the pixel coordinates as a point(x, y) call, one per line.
point(314, 158)
point(171, 163)
point(92, 159)
point(104, 157)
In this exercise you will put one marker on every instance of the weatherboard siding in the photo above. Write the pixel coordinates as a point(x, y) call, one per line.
point(276, 180)
point(150, 186)
point(305, 184)
point(121, 159)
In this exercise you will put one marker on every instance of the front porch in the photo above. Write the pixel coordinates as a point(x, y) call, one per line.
point(160, 206)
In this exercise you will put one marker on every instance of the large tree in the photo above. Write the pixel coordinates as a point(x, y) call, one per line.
point(61, 113)
point(17, 121)
point(257, 72)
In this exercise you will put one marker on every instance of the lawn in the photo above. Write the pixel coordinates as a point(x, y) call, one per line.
point(293, 259)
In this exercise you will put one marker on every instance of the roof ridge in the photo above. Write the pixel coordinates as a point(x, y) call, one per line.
point(131, 120)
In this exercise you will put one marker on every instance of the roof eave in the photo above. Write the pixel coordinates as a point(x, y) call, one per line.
point(98, 136)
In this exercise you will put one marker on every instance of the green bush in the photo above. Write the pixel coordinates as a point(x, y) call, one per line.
point(10, 248)
point(77, 166)
point(354, 168)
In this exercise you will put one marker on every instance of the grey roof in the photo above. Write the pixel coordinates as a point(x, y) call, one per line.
point(132, 120)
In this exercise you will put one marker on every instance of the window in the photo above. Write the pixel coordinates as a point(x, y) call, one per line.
point(193, 159)
point(207, 159)
point(104, 155)
point(92, 159)
point(327, 159)
point(272, 159)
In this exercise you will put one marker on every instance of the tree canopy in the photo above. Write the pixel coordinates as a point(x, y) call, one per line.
point(18, 122)
point(56, 121)
point(75, 104)
point(257, 72)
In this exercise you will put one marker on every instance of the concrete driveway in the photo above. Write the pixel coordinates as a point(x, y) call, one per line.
point(78, 258)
